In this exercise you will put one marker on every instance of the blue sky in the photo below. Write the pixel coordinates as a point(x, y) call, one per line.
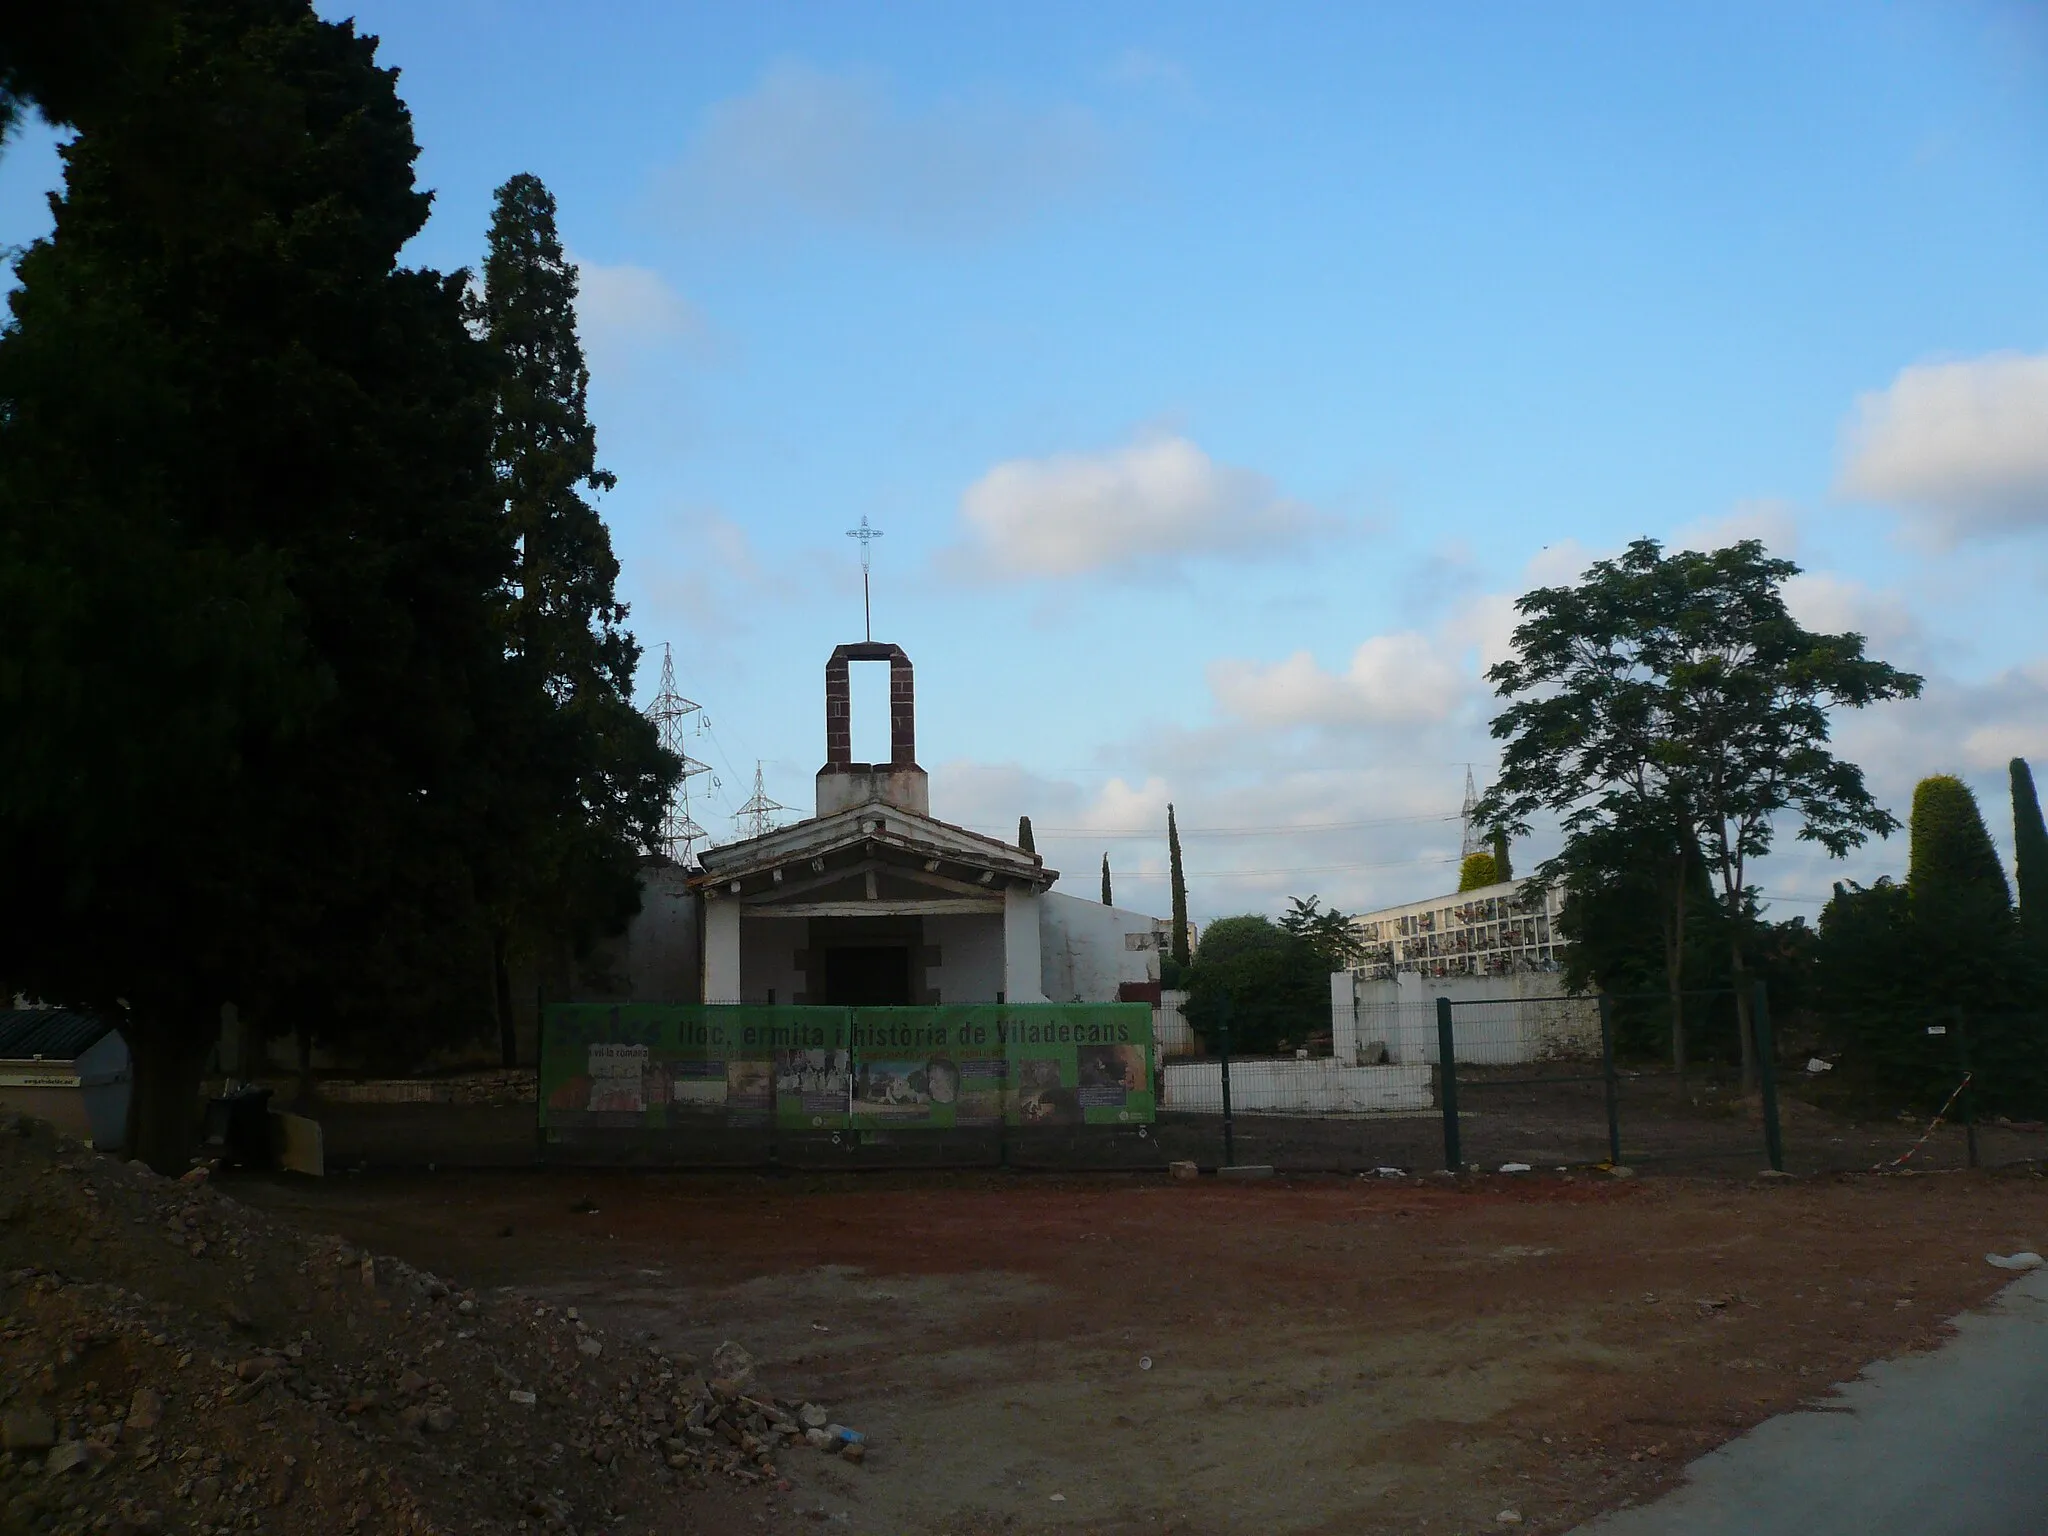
point(1219, 375)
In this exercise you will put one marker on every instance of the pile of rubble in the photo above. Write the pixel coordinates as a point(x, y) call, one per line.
point(171, 1360)
point(731, 1419)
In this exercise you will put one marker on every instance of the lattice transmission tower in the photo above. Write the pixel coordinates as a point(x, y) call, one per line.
point(1475, 840)
point(671, 713)
point(757, 817)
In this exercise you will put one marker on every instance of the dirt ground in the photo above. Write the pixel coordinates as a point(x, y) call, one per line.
point(1325, 1355)
point(172, 1361)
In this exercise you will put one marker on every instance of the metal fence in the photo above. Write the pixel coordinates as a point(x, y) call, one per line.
point(1924, 1088)
point(1538, 1082)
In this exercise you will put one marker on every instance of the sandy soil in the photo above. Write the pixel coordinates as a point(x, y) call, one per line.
point(1325, 1355)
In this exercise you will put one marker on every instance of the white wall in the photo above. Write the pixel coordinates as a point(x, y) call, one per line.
point(721, 952)
point(970, 968)
point(1085, 950)
point(1171, 1033)
point(1023, 956)
point(655, 959)
point(1318, 1087)
point(1500, 1020)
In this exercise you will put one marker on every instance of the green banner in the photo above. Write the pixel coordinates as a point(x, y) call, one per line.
point(683, 1066)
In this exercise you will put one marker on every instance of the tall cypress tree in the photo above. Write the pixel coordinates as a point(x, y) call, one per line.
point(591, 773)
point(1179, 881)
point(251, 565)
point(2030, 844)
point(1953, 862)
point(1105, 882)
point(1024, 835)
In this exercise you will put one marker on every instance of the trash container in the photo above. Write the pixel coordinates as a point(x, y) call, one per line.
point(238, 1123)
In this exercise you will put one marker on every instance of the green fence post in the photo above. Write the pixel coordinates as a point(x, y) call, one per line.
point(1607, 1072)
point(1223, 1059)
point(1767, 1076)
point(1447, 1075)
point(1969, 1098)
point(540, 1056)
point(1006, 1101)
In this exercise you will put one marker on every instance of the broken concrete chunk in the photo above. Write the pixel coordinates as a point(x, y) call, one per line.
point(145, 1410)
point(68, 1457)
point(732, 1363)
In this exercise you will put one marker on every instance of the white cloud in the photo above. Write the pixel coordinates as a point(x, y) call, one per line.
point(1833, 604)
point(1392, 680)
point(624, 309)
point(1145, 505)
point(1257, 825)
point(1962, 447)
point(835, 149)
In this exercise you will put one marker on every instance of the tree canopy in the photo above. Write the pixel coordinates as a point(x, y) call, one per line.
point(282, 706)
point(1271, 981)
point(1679, 691)
point(71, 60)
point(585, 776)
point(2030, 849)
point(1478, 871)
point(1177, 880)
point(1953, 861)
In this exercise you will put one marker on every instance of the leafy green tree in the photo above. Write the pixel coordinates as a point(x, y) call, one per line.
point(1024, 839)
point(1106, 901)
point(2030, 846)
point(1271, 985)
point(1503, 866)
point(1328, 934)
point(1179, 883)
point(251, 563)
point(1639, 916)
point(1680, 688)
point(1477, 872)
point(587, 777)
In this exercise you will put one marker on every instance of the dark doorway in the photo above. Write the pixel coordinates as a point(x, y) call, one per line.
point(870, 976)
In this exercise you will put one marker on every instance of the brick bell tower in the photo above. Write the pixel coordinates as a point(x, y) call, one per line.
point(843, 783)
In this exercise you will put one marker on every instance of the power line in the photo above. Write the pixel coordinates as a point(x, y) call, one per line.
point(1278, 829)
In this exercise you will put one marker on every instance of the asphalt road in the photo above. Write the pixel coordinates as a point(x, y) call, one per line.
point(1953, 1443)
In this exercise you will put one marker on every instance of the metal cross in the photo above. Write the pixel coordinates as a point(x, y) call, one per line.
point(867, 536)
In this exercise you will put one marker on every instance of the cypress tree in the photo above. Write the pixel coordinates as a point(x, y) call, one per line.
point(1024, 835)
point(1179, 882)
point(1953, 863)
point(252, 664)
point(1503, 867)
point(1477, 870)
point(1105, 882)
point(588, 778)
point(2030, 843)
